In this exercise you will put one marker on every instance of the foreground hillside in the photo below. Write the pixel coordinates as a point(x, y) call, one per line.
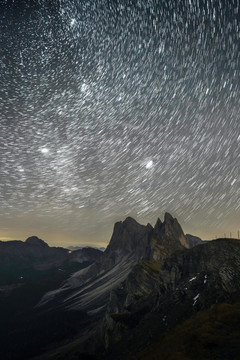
point(210, 334)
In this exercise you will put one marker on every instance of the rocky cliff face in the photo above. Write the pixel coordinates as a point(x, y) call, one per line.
point(146, 242)
point(129, 237)
point(167, 237)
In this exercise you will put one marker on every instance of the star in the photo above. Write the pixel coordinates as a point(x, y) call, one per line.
point(149, 164)
point(44, 150)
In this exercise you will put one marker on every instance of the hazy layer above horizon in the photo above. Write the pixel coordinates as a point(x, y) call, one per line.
point(95, 236)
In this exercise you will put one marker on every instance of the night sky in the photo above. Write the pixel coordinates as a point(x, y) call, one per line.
point(118, 108)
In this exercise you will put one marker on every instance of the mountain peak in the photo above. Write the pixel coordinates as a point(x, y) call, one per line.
point(168, 234)
point(158, 224)
point(34, 240)
point(130, 221)
point(168, 217)
point(131, 238)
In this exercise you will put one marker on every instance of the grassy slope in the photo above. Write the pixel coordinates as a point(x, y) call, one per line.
point(208, 335)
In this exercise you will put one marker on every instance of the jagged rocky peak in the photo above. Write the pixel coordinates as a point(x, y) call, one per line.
point(158, 224)
point(130, 237)
point(170, 232)
point(170, 222)
point(34, 240)
point(174, 230)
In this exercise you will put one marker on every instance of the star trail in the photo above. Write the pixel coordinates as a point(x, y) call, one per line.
point(118, 108)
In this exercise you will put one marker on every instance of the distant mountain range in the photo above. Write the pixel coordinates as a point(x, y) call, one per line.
point(79, 247)
point(122, 303)
point(17, 257)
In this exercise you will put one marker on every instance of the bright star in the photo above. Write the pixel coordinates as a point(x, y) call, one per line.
point(149, 164)
point(44, 150)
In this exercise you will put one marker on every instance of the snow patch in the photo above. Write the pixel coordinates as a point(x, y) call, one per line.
point(195, 299)
point(194, 278)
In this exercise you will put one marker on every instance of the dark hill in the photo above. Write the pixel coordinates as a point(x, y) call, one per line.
point(34, 253)
point(27, 271)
